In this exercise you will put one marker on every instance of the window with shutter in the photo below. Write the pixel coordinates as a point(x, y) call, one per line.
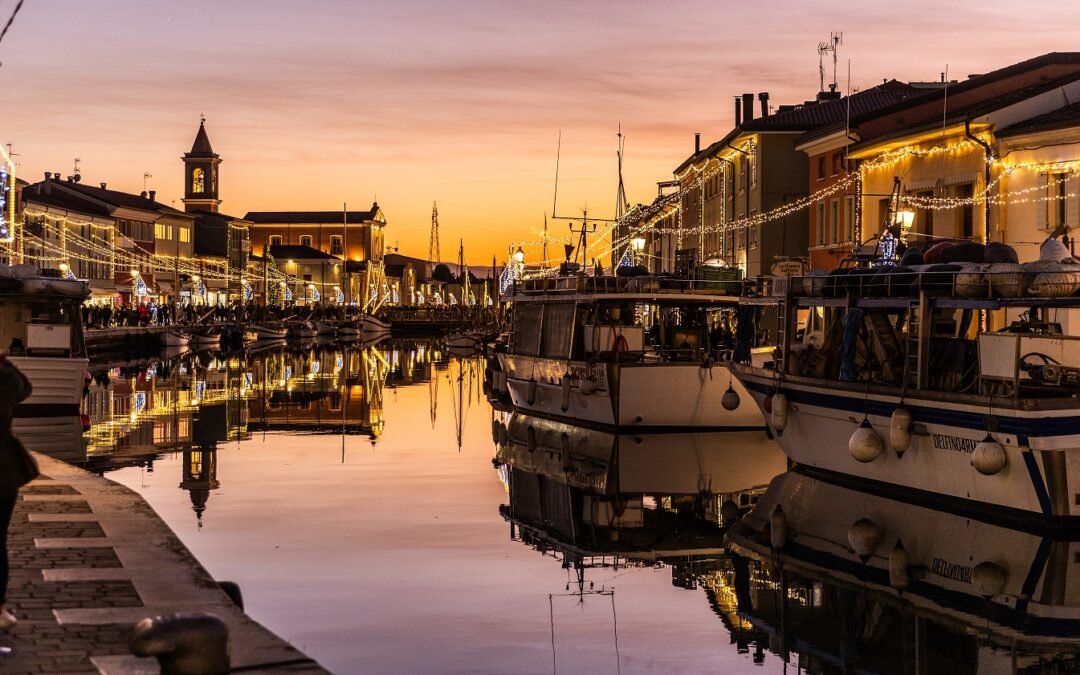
point(1072, 201)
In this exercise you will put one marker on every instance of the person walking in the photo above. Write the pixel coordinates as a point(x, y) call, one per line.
point(17, 468)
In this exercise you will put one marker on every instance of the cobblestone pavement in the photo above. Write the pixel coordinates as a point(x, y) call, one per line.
point(88, 559)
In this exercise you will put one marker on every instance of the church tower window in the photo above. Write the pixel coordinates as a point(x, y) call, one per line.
point(198, 181)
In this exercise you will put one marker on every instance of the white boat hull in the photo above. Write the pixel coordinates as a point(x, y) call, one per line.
point(1042, 447)
point(175, 340)
point(57, 382)
point(632, 396)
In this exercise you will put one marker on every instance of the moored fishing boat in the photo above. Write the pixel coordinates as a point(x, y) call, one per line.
point(41, 331)
point(642, 353)
point(326, 328)
point(892, 378)
point(269, 331)
point(462, 341)
point(371, 324)
point(175, 338)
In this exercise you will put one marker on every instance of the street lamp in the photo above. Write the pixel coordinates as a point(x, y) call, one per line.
point(904, 219)
point(519, 256)
point(637, 245)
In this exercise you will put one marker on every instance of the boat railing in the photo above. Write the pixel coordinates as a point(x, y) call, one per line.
point(965, 288)
point(567, 285)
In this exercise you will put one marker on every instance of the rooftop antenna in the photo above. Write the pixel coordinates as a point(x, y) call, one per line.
point(145, 177)
point(836, 39)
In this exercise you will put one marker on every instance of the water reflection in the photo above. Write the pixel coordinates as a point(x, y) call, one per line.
point(842, 580)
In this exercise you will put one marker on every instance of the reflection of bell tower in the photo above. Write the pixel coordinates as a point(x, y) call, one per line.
point(201, 174)
point(200, 477)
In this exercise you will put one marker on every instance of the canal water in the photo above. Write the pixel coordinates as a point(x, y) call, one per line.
point(382, 515)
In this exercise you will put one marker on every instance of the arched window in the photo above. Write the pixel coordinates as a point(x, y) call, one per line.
point(198, 181)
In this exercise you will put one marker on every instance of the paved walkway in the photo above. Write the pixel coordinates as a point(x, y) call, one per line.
point(90, 558)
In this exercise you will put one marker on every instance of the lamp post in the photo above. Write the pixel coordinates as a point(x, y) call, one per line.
point(637, 245)
point(519, 263)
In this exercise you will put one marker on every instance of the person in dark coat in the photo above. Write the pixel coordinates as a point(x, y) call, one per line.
point(14, 389)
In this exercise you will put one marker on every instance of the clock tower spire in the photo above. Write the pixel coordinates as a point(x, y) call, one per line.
point(201, 174)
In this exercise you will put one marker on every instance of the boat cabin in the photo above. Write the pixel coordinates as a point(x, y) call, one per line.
point(927, 331)
point(620, 319)
point(41, 316)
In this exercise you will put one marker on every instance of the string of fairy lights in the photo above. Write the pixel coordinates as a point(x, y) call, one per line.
point(641, 220)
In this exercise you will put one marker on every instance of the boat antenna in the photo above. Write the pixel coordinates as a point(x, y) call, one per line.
point(944, 115)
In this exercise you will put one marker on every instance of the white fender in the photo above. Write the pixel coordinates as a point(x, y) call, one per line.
point(865, 445)
point(988, 579)
point(899, 567)
point(778, 528)
point(864, 536)
point(587, 386)
point(779, 412)
point(730, 399)
point(989, 456)
point(900, 431)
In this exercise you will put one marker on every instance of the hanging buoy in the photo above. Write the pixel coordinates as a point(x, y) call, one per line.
point(564, 447)
point(899, 567)
point(729, 512)
point(865, 445)
point(565, 393)
point(531, 438)
point(779, 412)
point(530, 391)
point(494, 431)
point(989, 456)
point(778, 528)
point(587, 386)
point(988, 579)
point(900, 431)
point(767, 404)
point(503, 436)
point(730, 399)
point(864, 536)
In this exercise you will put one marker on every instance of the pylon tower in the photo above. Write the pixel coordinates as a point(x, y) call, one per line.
point(433, 243)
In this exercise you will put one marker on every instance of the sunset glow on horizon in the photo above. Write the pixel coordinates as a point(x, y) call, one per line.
point(456, 102)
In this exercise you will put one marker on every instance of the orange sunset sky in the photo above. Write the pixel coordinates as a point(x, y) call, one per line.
point(316, 103)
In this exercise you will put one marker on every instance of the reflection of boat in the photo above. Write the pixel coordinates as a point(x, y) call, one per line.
point(325, 328)
point(303, 330)
point(348, 332)
point(175, 338)
point(370, 324)
point(203, 337)
point(58, 437)
point(866, 583)
point(625, 353)
point(716, 463)
point(270, 331)
point(41, 329)
point(890, 380)
point(462, 341)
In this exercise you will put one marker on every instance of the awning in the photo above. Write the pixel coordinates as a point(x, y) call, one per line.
point(963, 178)
point(921, 185)
point(214, 284)
point(165, 286)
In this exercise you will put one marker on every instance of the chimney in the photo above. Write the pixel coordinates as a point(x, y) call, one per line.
point(153, 195)
point(697, 143)
point(738, 111)
point(48, 175)
point(104, 186)
point(747, 107)
point(763, 98)
point(143, 194)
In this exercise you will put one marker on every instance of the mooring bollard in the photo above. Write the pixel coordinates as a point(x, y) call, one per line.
point(184, 644)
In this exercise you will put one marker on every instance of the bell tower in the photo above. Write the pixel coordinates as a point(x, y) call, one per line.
point(201, 174)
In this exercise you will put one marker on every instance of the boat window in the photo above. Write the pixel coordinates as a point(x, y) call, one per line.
point(558, 330)
point(527, 321)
